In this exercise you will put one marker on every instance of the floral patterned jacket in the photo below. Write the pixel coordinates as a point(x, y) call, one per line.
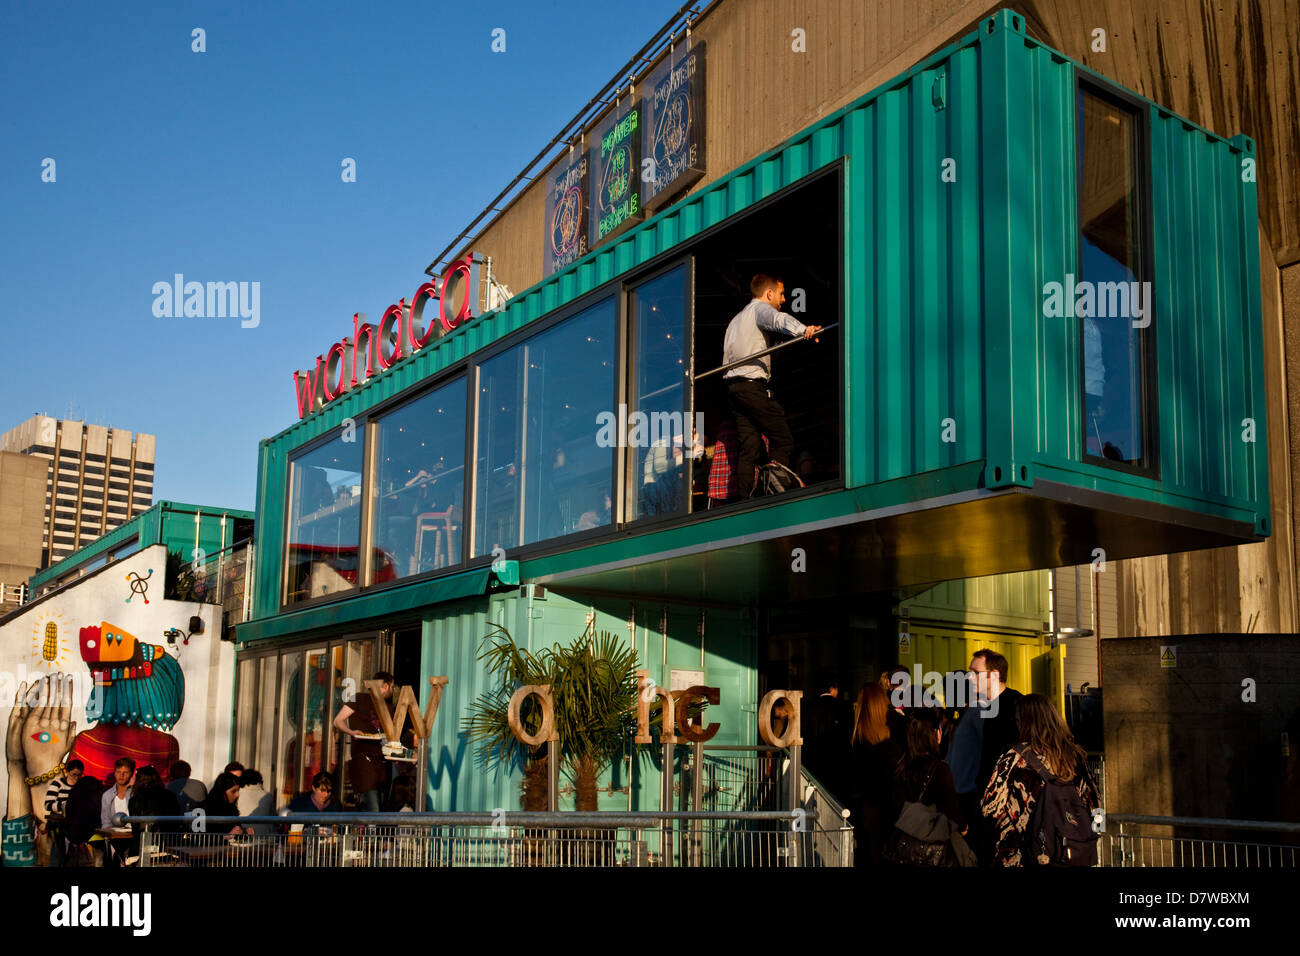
point(1009, 802)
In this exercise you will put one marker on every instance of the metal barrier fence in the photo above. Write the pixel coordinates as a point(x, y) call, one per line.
point(763, 839)
point(1195, 842)
point(221, 578)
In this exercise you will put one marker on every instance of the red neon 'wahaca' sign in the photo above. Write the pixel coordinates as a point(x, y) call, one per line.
point(401, 332)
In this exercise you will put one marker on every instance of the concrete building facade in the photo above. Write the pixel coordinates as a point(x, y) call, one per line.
point(97, 479)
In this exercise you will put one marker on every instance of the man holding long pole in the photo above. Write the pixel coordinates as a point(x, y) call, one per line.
point(748, 392)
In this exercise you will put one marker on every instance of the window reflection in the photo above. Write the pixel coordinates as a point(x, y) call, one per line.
point(1111, 263)
point(540, 472)
point(420, 482)
point(660, 420)
point(325, 522)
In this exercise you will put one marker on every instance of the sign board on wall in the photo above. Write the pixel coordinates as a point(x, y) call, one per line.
point(616, 173)
point(673, 104)
point(566, 214)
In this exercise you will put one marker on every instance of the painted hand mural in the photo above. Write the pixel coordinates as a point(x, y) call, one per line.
point(138, 695)
point(36, 738)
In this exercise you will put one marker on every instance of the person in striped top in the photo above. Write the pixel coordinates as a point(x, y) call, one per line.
point(56, 802)
point(56, 797)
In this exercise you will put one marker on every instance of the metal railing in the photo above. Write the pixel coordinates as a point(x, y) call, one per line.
point(501, 839)
point(221, 578)
point(1132, 840)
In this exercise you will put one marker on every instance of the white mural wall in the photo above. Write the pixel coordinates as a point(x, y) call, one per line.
point(104, 682)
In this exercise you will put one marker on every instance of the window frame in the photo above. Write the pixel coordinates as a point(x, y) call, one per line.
point(362, 427)
point(608, 292)
point(629, 357)
point(1094, 85)
point(445, 378)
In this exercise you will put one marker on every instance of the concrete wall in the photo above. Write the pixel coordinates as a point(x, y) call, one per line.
point(1187, 741)
point(22, 515)
point(203, 729)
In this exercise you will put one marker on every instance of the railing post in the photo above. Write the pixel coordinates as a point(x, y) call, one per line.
point(666, 805)
point(796, 802)
point(697, 802)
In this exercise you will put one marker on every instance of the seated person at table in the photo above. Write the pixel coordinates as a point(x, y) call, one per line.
point(151, 799)
point(319, 799)
point(189, 791)
point(223, 801)
point(118, 794)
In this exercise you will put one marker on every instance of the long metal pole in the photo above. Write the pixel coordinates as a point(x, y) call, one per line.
point(767, 351)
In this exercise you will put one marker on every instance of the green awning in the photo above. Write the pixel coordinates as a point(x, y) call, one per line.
point(376, 608)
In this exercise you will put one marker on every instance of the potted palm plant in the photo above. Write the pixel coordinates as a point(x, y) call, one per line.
point(593, 685)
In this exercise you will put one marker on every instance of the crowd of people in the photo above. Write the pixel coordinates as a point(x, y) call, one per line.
point(81, 810)
point(1001, 783)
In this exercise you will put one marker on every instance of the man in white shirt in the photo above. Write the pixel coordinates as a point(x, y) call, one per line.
point(116, 797)
point(748, 393)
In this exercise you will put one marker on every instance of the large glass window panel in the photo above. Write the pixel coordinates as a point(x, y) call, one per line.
point(317, 675)
point(1110, 291)
point(660, 430)
point(419, 487)
point(325, 519)
point(291, 726)
point(246, 709)
point(541, 472)
point(264, 746)
point(359, 666)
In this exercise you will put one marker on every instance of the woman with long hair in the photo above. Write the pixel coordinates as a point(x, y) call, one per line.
point(1016, 785)
point(223, 801)
point(150, 798)
point(875, 754)
point(921, 775)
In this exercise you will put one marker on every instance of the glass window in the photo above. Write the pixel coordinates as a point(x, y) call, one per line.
point(246, 710)
point(1111, 270)
point(420, 484)
point(660, 417)
point(540, 471)
point(290, 726)
point(324, 520)
point(359, 667)
point(318, 698)
point(264, 743)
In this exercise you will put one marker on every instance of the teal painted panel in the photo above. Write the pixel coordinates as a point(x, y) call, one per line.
point(453, 634)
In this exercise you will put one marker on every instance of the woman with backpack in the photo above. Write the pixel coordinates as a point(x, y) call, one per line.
point(1040, 800)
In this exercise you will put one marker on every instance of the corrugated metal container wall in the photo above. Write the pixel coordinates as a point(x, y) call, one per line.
point(1205, 286)
point(913, 329)
point(667, 638)
point(452, 634)
point(1017, 600)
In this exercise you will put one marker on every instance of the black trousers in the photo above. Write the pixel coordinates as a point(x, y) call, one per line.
point(757, 414)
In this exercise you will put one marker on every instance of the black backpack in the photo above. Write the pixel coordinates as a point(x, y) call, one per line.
point(775, 478)
point(1060, 826)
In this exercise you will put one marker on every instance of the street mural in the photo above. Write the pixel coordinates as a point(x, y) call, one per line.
point(124, 698)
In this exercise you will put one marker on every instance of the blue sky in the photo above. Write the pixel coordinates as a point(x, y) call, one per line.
point(225, 166)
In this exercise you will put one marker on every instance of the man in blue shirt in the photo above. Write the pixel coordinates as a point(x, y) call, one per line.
point(757, 412)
